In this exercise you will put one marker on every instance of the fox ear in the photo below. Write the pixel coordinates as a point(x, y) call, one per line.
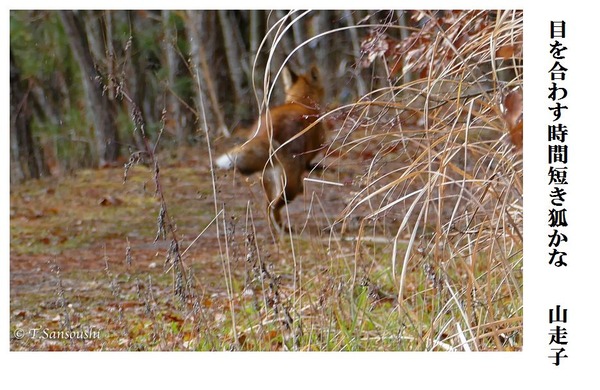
point(289, 77)
point(314, 73)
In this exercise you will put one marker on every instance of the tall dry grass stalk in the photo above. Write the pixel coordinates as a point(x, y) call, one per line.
point(431, 188)
point(441, 179)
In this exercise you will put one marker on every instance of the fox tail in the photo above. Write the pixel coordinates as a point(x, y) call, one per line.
point(247, 158)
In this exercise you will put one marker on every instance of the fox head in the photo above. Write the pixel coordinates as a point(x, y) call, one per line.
point(305, 88)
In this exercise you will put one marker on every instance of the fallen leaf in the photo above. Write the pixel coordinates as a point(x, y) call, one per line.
point(505, 52)
point(513, 116)
point(110, 201)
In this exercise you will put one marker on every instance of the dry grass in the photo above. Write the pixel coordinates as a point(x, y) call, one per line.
point(409, 238)
point(426, 253)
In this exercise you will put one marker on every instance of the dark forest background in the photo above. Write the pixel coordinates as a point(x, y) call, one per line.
point(76, 77)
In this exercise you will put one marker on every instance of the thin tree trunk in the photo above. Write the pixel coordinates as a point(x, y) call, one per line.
point(286, 44)
point(92, 25)
point(24, 164)
point(361, 88)
point(277, 54)
point(135, 78)
point(299, 37)
point(173, 106)
point(324, 53)
point(257, 32)
point(109, 55)
point(205, 90)
point(46, 108)
point(233, 61)
point(403, 21)
point(102, 110)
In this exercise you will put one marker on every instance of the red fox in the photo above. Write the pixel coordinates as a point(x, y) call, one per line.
point(274, 150)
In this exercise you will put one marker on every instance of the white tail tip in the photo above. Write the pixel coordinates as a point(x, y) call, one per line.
point(225, 161)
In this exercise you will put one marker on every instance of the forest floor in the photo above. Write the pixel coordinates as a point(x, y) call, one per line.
point(84, 259)
point(86, 272)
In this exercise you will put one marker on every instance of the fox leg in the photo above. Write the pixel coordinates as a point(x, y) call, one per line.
point(282, 181)
point(274, 183)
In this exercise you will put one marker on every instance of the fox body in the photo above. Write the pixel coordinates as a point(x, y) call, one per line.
point(284, 143)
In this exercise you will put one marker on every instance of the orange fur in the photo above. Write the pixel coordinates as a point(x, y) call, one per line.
point(284, 130)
